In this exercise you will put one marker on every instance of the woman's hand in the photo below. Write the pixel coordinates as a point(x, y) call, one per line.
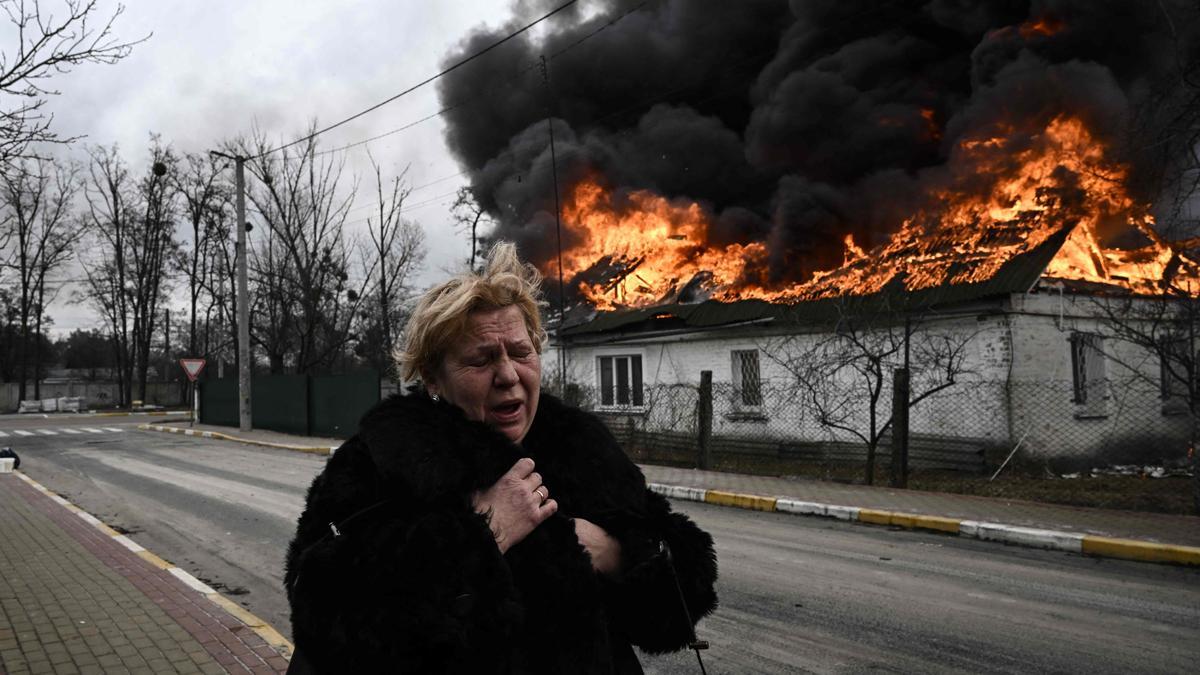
point(515, 504)
point(605, 551)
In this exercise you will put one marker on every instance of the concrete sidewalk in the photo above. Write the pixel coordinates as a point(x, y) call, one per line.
point(1131, 535)
point(78, 597)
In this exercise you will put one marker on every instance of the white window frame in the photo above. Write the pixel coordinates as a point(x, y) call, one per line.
point(1089, 375)
point(634, 369)
point(740, 404)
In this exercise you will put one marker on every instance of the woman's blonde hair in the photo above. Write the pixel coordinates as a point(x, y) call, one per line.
point(441, 314)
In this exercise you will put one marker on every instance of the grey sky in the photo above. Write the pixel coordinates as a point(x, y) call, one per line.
point(213, 70)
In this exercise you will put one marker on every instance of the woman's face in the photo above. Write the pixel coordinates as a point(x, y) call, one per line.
point(493, 372)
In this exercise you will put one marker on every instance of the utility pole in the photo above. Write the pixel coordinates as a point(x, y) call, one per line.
point(562, 311)
point(243, 295)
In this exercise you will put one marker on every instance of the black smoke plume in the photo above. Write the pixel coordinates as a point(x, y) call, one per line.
point(797, 123)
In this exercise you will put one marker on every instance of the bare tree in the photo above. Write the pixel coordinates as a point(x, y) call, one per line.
point(205, 204)
point(37, 199)
point(1164, 330)
point(468, 217)
point(301, 199)
point(843, 374)
point(48, 42)
point(220, 314)
point(273, 326)
point(133, 226)
point(1165, 145)
point(395, 251)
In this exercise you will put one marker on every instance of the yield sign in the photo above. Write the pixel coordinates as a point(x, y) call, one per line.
point(192, 367)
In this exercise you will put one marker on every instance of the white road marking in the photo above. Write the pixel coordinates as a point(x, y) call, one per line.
point(116, 429)
point(47, 432)
point(22, 432)
point(92, 430)
point(3, 434)
point(89, 518)
point(191, 581)
point(73, 431)
point(129, 543)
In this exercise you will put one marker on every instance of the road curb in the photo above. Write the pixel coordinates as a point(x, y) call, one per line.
point(264, 630)
point(1072, 542)
point(137, 413)
point(1056, 540)
point(311, 449)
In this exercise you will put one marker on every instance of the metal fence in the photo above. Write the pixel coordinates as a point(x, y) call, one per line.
point(1031, 439)
point(309, 405)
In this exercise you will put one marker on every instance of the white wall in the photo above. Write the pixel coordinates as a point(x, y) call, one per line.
point(1044, 414)
point(680, 359)
point(1032, 404)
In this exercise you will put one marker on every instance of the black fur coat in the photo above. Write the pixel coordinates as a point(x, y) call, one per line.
point(413, 581)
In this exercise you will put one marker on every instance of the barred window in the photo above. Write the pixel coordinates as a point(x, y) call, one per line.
point(621, 381)
point(1174, 368)
point(747, 385)
point(1088, 373)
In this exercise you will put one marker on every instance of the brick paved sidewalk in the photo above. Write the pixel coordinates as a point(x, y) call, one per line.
point(74, 600)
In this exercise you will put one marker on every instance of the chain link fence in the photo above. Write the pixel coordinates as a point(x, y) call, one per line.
point(1125, 448)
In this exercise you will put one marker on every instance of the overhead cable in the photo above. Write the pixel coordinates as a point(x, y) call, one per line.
point(424, 82)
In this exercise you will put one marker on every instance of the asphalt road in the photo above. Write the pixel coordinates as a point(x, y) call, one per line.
point(797, 594)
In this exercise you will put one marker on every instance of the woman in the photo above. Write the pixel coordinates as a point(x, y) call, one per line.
point(483, 527)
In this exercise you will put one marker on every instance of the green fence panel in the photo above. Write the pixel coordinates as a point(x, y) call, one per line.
point(219, 401)
point(280, 403)
point(337, 402)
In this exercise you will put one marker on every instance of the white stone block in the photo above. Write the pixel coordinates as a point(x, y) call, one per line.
point(803, 508)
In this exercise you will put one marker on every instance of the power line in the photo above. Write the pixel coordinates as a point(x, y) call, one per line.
point(413, 88)
point(387, 133)
point(479, 97)
point(410, 191)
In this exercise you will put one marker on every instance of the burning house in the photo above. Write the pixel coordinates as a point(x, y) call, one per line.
point(799, 198)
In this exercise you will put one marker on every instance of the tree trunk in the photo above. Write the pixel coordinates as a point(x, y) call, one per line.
point(870, 477)
point(900, 397)
point(1195, 456)
point(22, 358)
point(37, 343)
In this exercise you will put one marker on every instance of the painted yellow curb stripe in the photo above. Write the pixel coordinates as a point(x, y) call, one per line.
point(753, 502)
point(1131, 549)
point(154, 560)
point(264, 630)
point(911, 521)
point(875, 517)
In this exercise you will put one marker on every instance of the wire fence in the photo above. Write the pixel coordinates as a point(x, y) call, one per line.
point(1127, 447)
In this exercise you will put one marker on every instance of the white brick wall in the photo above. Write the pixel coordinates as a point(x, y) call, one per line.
point(1018, 384)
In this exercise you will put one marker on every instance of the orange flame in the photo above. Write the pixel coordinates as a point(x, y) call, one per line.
point(1044, 26)
point(1059, 179)
point(653, 247)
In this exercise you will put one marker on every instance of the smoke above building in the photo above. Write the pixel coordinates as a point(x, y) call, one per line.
point(786, 132)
